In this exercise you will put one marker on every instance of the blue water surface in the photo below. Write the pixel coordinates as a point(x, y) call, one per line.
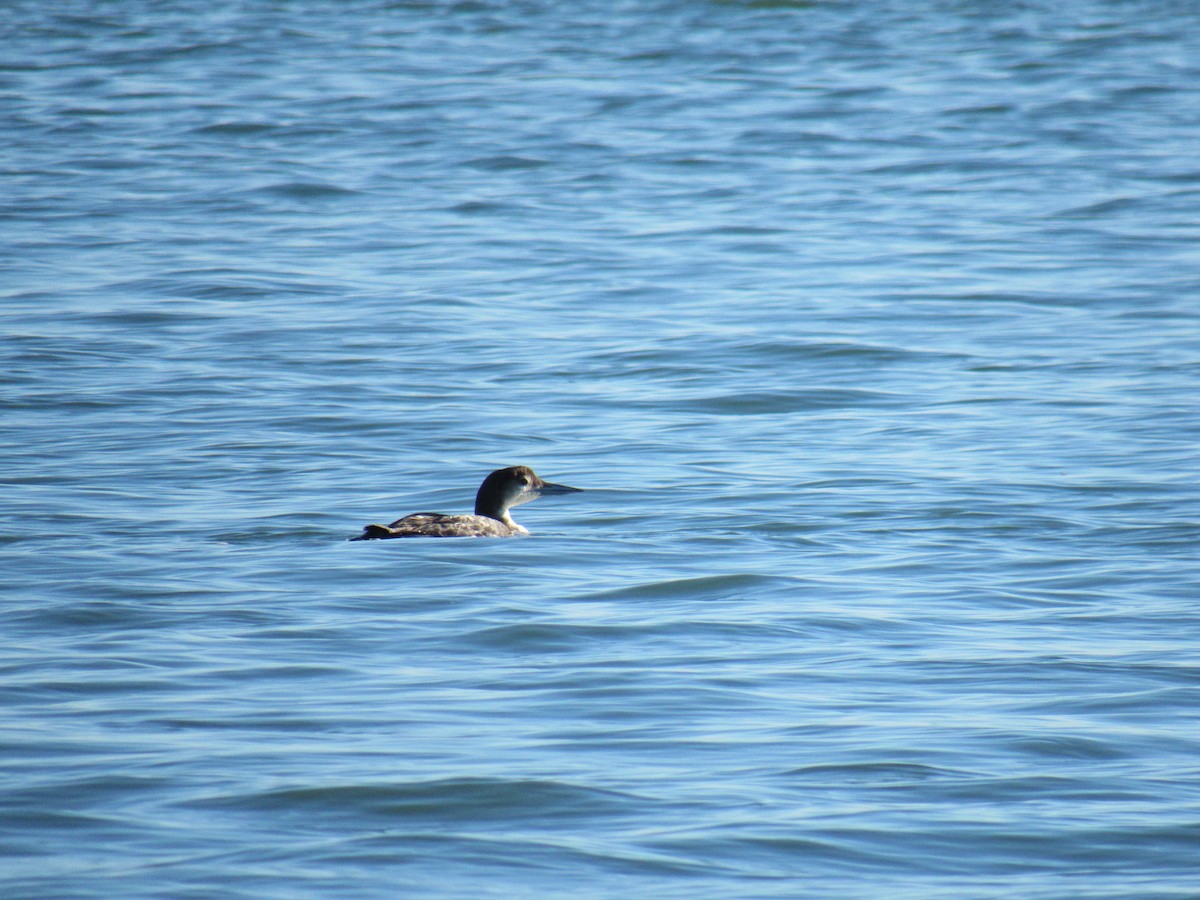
point(871, 331)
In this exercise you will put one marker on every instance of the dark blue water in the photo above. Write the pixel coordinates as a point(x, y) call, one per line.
point(871, 330)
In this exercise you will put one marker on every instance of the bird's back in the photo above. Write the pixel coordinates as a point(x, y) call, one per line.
point(438, 525)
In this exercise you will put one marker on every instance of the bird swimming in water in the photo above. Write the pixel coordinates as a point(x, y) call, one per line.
point(500, 491)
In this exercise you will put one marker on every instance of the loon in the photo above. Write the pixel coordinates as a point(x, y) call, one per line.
point(500, 491)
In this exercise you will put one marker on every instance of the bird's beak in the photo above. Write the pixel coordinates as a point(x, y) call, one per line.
point(549, 487)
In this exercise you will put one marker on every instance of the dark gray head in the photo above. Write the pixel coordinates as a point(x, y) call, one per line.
point(513, 486)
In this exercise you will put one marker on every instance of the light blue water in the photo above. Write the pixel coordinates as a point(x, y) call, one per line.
point(871, 330)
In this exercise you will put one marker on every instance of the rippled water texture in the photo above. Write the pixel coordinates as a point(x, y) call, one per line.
point(870, 329)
